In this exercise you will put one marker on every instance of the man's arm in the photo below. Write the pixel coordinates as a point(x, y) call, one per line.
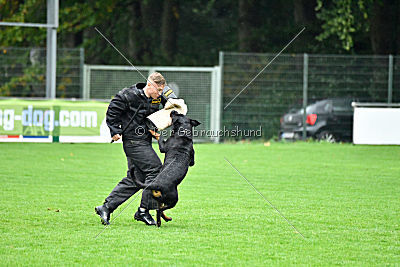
point(115, 110)
point(166, 94)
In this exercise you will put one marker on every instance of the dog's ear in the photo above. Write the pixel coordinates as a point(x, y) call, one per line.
point(173, 113)
point(194, 123)
point(175, 116)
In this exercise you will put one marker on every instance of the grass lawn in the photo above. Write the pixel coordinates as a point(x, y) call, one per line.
point(344, 199)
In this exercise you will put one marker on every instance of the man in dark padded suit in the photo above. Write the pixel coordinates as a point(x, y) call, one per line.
point(137, 102)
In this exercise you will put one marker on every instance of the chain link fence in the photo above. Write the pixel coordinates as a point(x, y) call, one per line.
point(212, 92)
point(396, 79)
point(280, 87)
point(23, 72)
point(266, 98)
point(362, 77)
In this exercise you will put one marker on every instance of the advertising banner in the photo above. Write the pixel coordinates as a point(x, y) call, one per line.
point(53, 121)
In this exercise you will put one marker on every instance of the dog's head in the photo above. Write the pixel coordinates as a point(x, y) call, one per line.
point(182, 124)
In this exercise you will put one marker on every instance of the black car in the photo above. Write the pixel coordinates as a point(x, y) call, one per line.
point(328, 119)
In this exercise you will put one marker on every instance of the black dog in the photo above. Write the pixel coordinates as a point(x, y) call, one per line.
point(179, 156)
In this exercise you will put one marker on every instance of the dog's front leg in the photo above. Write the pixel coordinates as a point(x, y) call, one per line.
point(161, 214)
point(191, 163)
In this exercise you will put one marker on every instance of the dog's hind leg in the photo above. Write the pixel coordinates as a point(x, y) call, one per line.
point(161, 214)
point(165, 217)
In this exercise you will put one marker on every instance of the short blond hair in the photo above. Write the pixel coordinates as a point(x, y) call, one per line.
point(157, 78)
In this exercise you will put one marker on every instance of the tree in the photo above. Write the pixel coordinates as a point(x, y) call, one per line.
point(245, 25)
point(384, 23)
point(374, 19)
point(169, 28)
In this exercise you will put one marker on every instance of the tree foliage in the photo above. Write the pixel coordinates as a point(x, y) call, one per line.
point(349, 21)
point(339, 21)
point(177, 32)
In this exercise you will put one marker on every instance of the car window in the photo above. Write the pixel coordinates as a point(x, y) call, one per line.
point(342, 105)
point(294, 110)
point(319, 107)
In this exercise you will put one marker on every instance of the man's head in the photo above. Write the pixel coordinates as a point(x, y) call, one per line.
point(155, 85)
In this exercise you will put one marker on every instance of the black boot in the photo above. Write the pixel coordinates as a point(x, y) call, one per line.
point(145, 217)
point(104, 214)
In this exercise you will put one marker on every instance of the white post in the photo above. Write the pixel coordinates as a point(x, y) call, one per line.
point(51, 51)
point(219, 93)
point(151, 70)
point(215, 111)
point(86, 83)
point(82, 70)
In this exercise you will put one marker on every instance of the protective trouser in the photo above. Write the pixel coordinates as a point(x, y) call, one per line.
point(144, 164)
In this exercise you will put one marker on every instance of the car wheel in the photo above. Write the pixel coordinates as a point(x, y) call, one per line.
point(327, 136)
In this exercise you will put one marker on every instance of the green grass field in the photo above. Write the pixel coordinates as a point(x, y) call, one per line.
point(344, 199)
